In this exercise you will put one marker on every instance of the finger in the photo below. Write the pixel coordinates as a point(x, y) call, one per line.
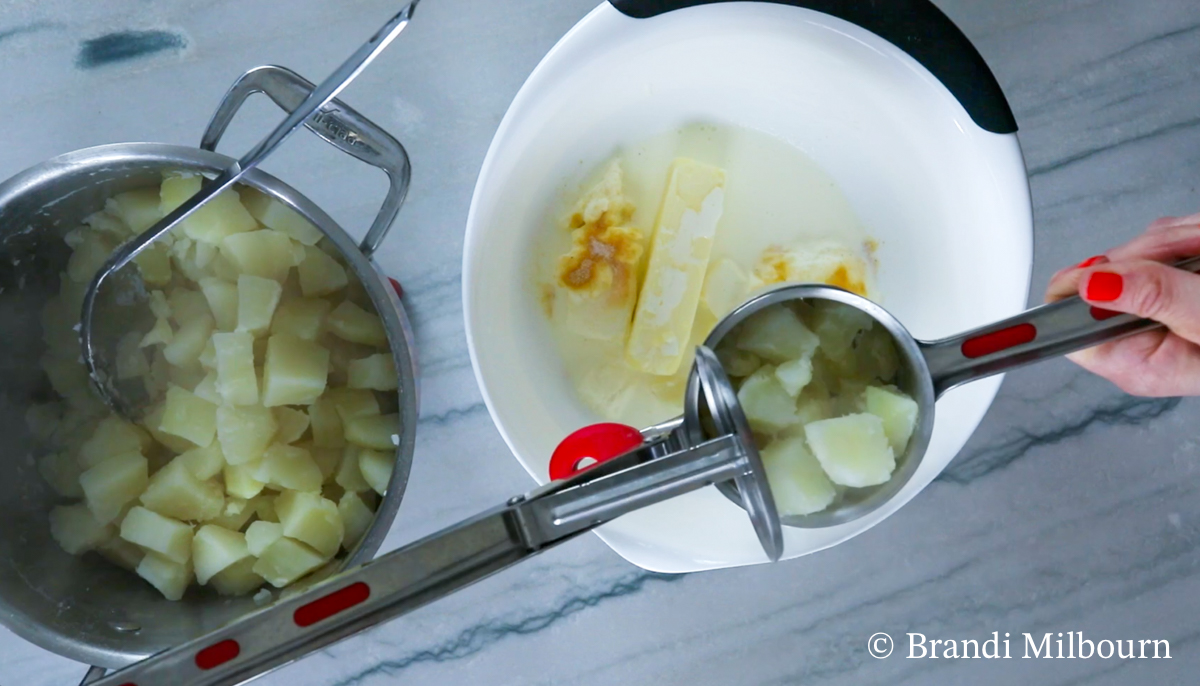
point(1148, 289)
point(1154, 363)
point(1168, 222)
point(1166, 244)
point(1065, 282)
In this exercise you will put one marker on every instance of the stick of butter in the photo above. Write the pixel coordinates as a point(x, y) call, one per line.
point(683, 238)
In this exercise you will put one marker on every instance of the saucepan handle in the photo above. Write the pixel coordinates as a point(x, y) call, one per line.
point(1043, 332)
point(337, 123)
point(917, 27)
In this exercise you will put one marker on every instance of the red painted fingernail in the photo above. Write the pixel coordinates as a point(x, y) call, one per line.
point(1089, 262)
point(1104, 287)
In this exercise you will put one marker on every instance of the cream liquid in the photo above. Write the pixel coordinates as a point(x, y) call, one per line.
point(774, 195)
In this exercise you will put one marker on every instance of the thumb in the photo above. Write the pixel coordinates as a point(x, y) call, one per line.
point(1147, 289)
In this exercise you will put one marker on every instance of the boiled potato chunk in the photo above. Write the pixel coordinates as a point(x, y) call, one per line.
point(878, 360)
point(219, 217)
point(853, 450)
point(261, 535)
point(777, 334)
point(237, 512)
point(302, 318)
point(159, 334)
point(204, 463)
point(114, 483)
point(77, 531)
point(187, 304)
point(286, 466)
point(379, 432)
point(168, 537)
point(189, 341)
point(838, 326)
point(154, 263)
point(356, 518)
point(257, 299)
point(189, 417)
point(349, 474)
point(215, 549)
point(352, 323)
point(244, 432)
point(153, 421)
point(320, 274)
point(798, 484)
point(376, 372)
point(61, 471)
point(237, 380)
point(766, 403)
point(376, 468)
point(738, 363)
point(240, 481)
point(311, 519)
point(353, 402)
point(275, 215)
point(222, 298)
point(326, 423)
point(174, 491)
point(237, 579)
point(287, 560)
point(295, 372)
point(898, 412)
point(171, 578)
point(139, 209)
point(263, 253)
point(113, 436)
point(794, 375)
point(122, 553)
point(327, 459)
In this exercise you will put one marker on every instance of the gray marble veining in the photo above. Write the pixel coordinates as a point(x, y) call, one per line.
point(1073, 508)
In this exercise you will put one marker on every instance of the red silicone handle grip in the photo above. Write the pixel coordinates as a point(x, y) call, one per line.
point(598, 442)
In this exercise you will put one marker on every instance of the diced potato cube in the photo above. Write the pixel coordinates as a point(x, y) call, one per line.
point(188, 342)
point(122, 553)
point(87, 258)
point(215, 549)
point(237, 579)
point(261, 535)
point(737, 363)
point(778, 335)
point(813, 406)
point(244, 432)
point(320, 274)
point(138, 209)
point(798, 484)
point(286, 466)
point(237, 380)
point(174, 491)
point(187, 376)
point(352, 323)
point(208, 358)
point(236, 513)
point(838, 326)
point(207, 388)
point(327, 423)
point(377, 372)
point(154, 263)
point(131, 361)
point(111, 485)
point(169, 577)
point(187, 304)
point(295, 372)
point(257, 299)
point(204, 463)
point(356, 518)
point(189, 416)
point(767, 406)
point(159, 334)
point(287, 560)
point(263, 253)
point(240, 481)
point(168, 537)
point(273, 214)
point(898, 412)
point(877, 356)
point(794, 375)
point(311, 519)
point(112, 436)
point(380, 432)
point(853, 450)
point(349, 474)
point(219, 217)
point(292, 424)
point(175, 189)
point(77, 531)
point(153, 420)
point(724, 288)
point(302, 318)
point(222, 297)
point(61, 470)
point(376, 468)
point(351, 403)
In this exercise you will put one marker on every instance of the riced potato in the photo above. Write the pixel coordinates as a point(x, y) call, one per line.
point(273, 435)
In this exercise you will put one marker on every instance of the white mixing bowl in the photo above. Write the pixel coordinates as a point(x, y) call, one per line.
point(947, 199)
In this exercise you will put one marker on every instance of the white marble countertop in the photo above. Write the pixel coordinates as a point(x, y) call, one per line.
point(1073, 508)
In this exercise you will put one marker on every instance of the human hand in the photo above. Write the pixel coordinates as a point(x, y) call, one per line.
point(1133, 278)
